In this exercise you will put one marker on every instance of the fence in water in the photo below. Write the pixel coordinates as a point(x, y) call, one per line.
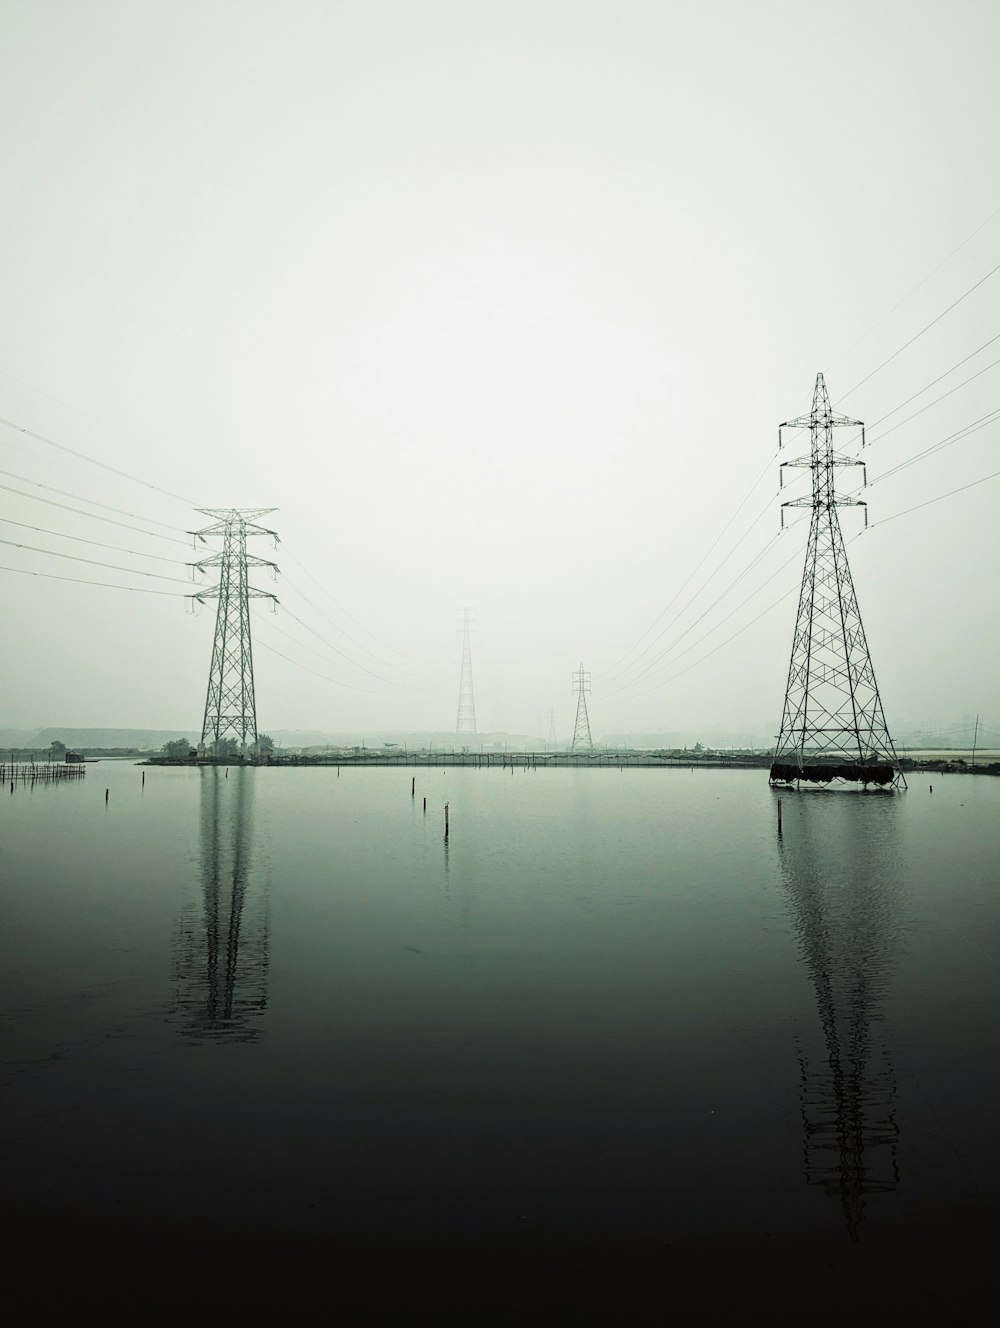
point(39, 772)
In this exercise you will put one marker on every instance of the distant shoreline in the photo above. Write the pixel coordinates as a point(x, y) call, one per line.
point(550, 761)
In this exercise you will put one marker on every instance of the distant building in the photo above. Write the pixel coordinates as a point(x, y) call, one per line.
point(74, 758)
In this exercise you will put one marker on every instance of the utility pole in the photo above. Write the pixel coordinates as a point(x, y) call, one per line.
point(832, 724)
point(466, 722)
point(581, 729)
point(230, 704)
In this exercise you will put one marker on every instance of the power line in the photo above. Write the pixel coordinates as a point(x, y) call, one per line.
point(43, 530)
point(83, 456)
point(79, 581)
point(326, 678)
point(336, 626)
point(340, 608)
point(956, 437)
point(919, 334)
point(964, 383)
point(781, 598)
point(110, 521)
point(679, 614)
point(109, 428)
point(708, 654)
point(939, 498)
point(935, 381)
point(65, 493)
point(680, 590)
point(115, 567)
point(669, 649)
point(913, 290)
point(711, 630)
point(337, 651)
point(312, 650)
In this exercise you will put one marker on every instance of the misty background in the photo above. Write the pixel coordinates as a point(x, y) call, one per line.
point(499, 304)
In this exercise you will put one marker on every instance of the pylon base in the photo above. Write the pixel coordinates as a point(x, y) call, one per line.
point(825, 772)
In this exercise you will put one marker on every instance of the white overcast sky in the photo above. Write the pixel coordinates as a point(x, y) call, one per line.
point(499, 303)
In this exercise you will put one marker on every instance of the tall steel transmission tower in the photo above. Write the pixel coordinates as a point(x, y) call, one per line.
point(581, 729)
point(466, 722)
point(832, 725)
point(230, 705)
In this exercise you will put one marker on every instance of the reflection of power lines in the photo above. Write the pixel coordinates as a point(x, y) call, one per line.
point(222, 956)
point(838, 878)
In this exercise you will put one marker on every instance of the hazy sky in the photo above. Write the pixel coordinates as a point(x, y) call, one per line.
point(499, 303)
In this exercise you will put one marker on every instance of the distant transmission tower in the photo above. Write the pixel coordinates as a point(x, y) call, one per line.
point(832, 725)
point(466, 723)
point(552, 727)
point(230, 705)
point(581, 730)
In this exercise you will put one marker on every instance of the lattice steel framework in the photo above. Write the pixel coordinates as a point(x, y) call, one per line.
point(581, 729)
point(832, 724)
point(466, 721)
point(230, 704)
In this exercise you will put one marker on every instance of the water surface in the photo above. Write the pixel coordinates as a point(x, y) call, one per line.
point(615, 1034)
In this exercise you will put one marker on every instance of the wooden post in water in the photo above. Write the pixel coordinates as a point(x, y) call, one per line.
point(106, 792)
point(413, 787)
point(425, 806)
point(446, 823)
point(779, 816)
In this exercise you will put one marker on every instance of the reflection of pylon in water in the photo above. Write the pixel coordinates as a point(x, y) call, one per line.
point(581, 730)
point(832, 716)
point(222, 954)
point(841, 895)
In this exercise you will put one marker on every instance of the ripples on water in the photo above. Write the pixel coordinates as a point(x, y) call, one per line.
point(617, 1033)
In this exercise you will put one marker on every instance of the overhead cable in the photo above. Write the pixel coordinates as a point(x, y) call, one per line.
point(326, 678)
point(340, 608)
point(964, 383)
point(683, 586)
point(919, 334)
point(934, 381)
point(939, 498)
point(115, 567)
point(79, 581)
point(942, 443)
point(83, 456)
point(388, 664)
point(80, 539)
point(913, 289)
point(107, 507)
point(680, 612)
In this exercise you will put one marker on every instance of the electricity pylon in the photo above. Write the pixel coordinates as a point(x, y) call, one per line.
point(581, 730)
point(466, 722)
point(832, 724)
point(552, 727)
point(230, 704)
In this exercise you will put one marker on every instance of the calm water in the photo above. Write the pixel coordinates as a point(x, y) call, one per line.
point(617, 1036)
